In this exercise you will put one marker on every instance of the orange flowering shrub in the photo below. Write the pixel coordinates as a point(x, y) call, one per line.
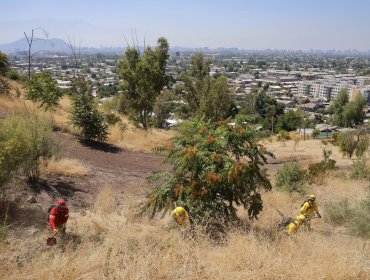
point(210, 139)
point(212, 179)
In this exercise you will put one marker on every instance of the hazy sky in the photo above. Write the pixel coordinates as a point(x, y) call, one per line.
point(258, 24)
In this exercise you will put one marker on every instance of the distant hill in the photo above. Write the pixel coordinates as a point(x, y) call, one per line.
point(53, 45)
point(48, 45)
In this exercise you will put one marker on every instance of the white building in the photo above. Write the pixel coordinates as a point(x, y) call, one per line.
point(329, 88)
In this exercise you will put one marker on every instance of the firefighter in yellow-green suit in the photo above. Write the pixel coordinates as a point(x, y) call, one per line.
point(309, 208)
point(296, 224)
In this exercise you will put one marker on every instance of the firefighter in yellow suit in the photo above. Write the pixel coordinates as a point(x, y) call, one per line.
point(309, 209)
point(296, 224)
point(181, 216)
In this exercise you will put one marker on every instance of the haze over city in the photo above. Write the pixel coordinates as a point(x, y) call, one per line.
point(263, 24)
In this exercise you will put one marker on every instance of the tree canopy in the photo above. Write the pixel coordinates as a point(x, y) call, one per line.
point(348, 113)
point(42, 88)
point(207, 97)
point(144, 77)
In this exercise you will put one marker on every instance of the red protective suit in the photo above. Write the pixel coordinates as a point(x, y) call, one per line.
point(58, 216)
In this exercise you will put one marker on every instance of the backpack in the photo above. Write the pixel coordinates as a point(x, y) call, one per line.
point(305, 200)
point(285, 222)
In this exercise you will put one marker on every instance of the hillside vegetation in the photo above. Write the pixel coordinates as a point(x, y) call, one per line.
point(111, 239)
point(111, 242)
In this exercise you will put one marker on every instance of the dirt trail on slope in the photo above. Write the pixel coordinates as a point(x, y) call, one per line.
point(124, 170)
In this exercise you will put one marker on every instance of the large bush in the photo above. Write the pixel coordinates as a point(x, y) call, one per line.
point(44, 89)
point(216, 167)
point(25, 141)
point(317, 170)
point(13, 150)
point(360, 169)
point(291, 177)
point(355, 217)
point(339, 212)
point(353, 142)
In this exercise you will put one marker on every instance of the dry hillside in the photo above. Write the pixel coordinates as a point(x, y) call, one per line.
point(108, 239)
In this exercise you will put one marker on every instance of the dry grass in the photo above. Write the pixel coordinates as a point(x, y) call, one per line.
point(306, 152)
point(104, 244)
point(132, 138)
point(111, 242)
point(106, 201)
point(12, 103)
point(138, 139)
point(66, 167)
point(61, 115)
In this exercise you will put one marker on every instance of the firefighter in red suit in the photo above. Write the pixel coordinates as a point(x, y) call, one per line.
point(58, 217)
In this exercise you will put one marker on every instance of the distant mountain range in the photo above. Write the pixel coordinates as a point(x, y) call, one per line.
point(60, 46)
point(53, 45)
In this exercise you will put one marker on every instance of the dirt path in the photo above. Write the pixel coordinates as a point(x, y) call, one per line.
point(118, 161)
point(125, 171)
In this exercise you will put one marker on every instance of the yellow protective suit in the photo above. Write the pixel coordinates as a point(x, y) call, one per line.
point(181, 216)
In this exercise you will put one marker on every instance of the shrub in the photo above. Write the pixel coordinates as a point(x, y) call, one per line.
point(84, 114)
point(353, 142)
point(315, 133)
point(360, 169)
point(283, 135)
point(4, 87)
point(13, 151)
point(338, 213)
point(291, 177)
point(26, 140)
point(13, 74)
point(356, 218)
point(112, 118)
point(216, 167)
point(42, 88)
point(360, 223)
point(41, 146)
point(315, 170)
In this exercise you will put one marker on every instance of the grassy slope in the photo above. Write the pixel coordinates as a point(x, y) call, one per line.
point(132, 138)
point(111, 242)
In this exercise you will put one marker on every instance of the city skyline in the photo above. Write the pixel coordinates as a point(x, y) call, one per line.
point(239, 24)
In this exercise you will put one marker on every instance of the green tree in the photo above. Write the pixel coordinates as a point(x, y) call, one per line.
point(338, 106)
point(107, 91)
point(207, 97)
point(353, 112)
point(217, 103)
point(84, 114)
point(216, 167)
point(353, 142)
point(163, 108)
point(42, 88)
point(144, 77)
point(266, 107)
point(289, 121)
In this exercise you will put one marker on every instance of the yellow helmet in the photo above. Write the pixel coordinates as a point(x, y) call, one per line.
point(312, 197)
point(180, 210)
point(301, 218)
